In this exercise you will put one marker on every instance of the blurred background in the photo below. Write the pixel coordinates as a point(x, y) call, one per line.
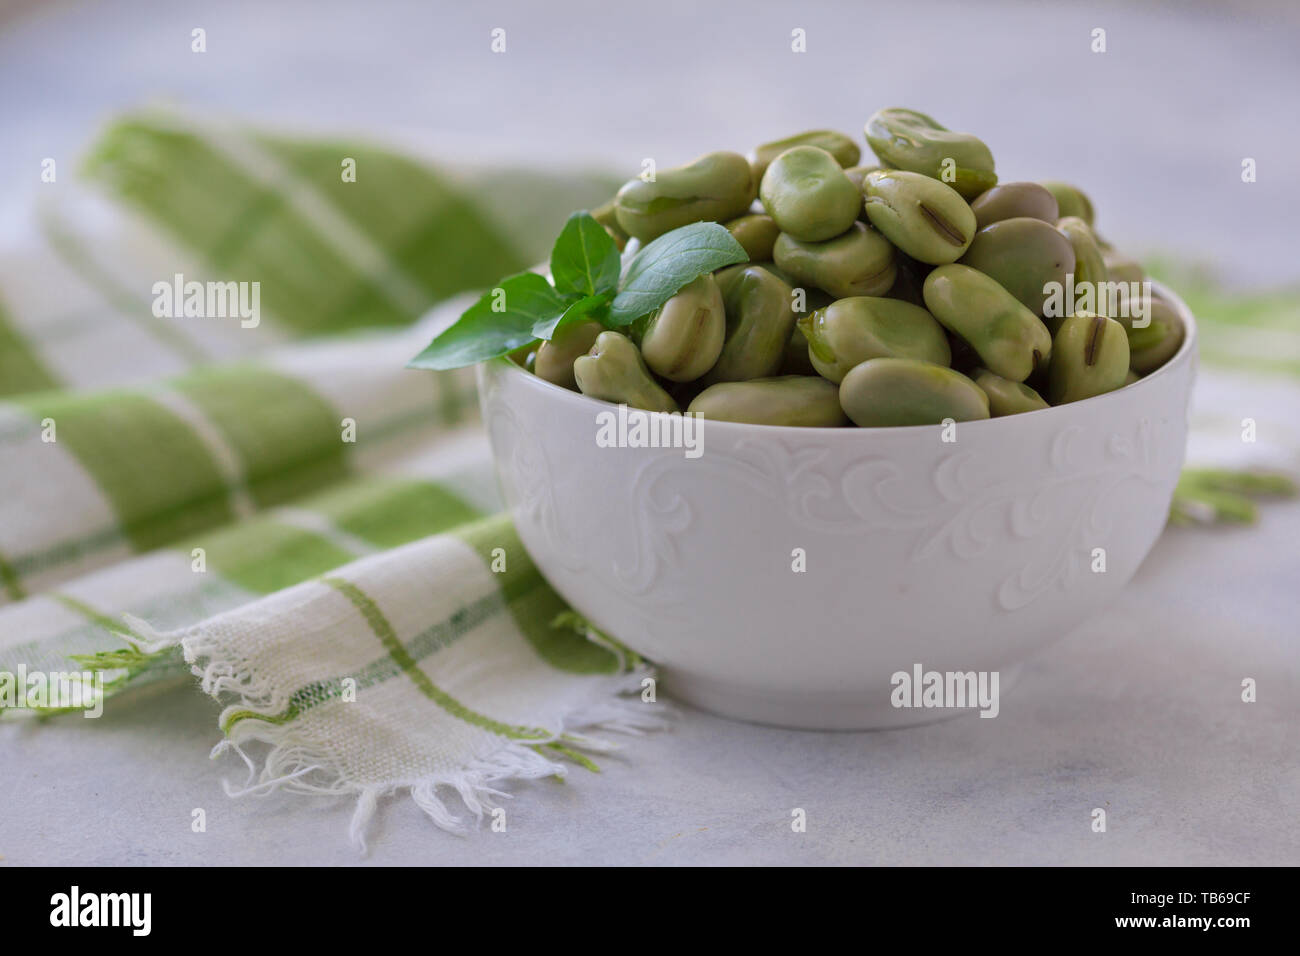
point(1155, 128)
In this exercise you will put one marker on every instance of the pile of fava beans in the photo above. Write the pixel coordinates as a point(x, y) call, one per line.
point(912, 292)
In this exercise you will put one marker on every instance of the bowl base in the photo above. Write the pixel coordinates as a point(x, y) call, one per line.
point(813, 711)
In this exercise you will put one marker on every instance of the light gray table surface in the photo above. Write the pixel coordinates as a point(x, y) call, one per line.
point(1137, 712)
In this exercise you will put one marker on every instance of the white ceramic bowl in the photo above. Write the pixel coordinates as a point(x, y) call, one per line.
point(958, 556)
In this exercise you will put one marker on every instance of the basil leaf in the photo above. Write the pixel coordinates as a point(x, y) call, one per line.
point(584, 260)
point(500, 322)
point(546, 328)
point(670, 262)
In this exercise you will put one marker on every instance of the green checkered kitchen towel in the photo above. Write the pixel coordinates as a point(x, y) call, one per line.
point(271, 501)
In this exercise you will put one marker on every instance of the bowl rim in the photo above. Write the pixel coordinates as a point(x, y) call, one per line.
point(1182, 357)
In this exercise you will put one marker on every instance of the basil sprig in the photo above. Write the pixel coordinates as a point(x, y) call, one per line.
point(587, 282)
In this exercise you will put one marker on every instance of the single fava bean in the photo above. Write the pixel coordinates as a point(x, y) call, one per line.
point(1154, 344)
point(906, 139)
point(1015, 201)
point(1010, 340)
point(756, 232)
point(805, 400)
point(1007, 397)
point(1089, 357)
point(760, 318)
point(859, 262)
point(921, 216)
point(804, 298)
point(846, 152)
point(1023, 255)
point(684, 336)
point(614, 371)
point(808, 195)
point(850, 331)
point(714, 188)
point(898, 391)
point(555, 358)
point(1089, 265)
point(1070, 200)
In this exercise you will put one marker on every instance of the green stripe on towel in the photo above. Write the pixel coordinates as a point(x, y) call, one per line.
point(432, 234)
point(288, 438)
point(156, 472)
point(390, 511)
point(262, 555)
